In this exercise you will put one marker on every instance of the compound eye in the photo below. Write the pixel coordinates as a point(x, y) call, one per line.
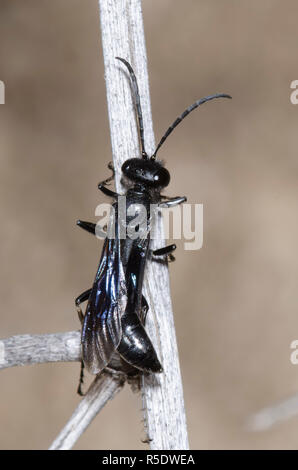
point(162, 177)
point(128, 169)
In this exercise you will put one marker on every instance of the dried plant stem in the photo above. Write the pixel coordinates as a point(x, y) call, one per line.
point(123, 36)
point(35, 349)
point(274, 414)
point(62, 347)
point(103, 388)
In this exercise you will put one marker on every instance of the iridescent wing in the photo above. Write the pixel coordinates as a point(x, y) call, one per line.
point(101, 332)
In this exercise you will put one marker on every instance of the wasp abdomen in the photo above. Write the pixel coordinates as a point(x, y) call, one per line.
point(135, 346)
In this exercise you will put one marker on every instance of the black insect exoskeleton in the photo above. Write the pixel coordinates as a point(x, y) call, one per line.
point(113, 327)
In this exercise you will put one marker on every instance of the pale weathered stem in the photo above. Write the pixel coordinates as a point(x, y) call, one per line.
point(274, 414)
point(123, 36)
point(33, 349)
point(103, 388)
point(62, 347)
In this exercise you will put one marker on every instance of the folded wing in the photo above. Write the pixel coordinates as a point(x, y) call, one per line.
point(101, 332)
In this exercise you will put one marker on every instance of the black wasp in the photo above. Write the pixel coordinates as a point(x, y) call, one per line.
point(113, 327)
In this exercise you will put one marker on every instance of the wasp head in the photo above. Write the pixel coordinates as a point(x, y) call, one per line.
point(147, 172)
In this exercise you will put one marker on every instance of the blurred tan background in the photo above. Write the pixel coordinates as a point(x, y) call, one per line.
point(235, 300)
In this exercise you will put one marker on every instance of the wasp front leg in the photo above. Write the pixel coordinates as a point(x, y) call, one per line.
point(173, 201)
point(103, 185)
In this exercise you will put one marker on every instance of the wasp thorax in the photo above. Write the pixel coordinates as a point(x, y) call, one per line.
point(149, 172)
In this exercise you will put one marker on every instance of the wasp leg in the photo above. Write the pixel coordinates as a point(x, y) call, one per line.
point(81, 380)
point(144, 310)
point(107, 191)
point(107, 181)
point(79, 300)
point(165, 252)
point(95, 229)
point(103, 184)
point(147, 440)
point(173, 201)
point(88, 226)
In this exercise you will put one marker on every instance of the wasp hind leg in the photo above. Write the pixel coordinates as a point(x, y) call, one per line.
point(81, 380)
point(79, 300)
point(144, 310)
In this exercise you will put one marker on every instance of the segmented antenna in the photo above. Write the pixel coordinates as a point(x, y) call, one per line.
point(184, 114)
point(137, 103)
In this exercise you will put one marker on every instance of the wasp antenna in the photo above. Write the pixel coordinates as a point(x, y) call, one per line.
point(137, 102)
point(184, 114)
